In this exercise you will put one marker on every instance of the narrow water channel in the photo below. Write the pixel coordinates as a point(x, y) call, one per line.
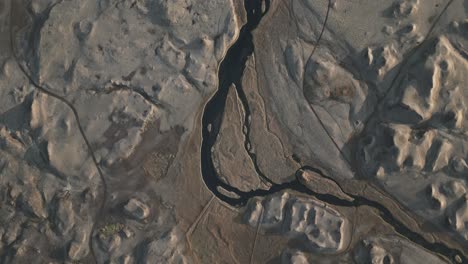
point(230, 73)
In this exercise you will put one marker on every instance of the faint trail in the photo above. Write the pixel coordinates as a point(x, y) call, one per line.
point(321, 31)
point(260, 219)
point(202, 213)
point(303, 85)
point(48, 92)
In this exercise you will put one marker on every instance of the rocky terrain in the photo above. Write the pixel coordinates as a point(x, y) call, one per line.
point(229, 131)
point(322, 228)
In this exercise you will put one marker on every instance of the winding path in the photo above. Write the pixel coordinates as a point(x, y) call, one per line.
point(52, 94)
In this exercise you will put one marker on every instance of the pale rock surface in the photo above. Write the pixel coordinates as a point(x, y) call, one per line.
point(136, 209)
point(420, 137)
point(293, 257)
point(391, 250)
point(323, 228)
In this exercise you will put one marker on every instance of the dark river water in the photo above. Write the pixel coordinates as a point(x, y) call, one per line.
point(230, 72)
